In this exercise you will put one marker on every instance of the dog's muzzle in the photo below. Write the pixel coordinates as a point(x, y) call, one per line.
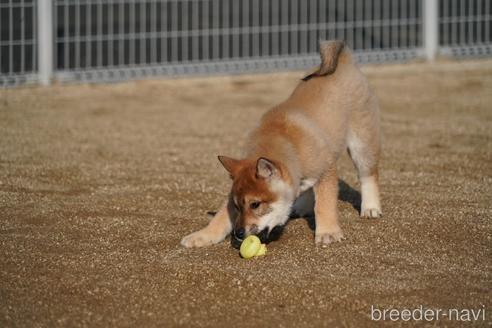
point(238, 235)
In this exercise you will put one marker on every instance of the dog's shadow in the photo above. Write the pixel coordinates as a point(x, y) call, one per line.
point(304, 206)
point(348, 194)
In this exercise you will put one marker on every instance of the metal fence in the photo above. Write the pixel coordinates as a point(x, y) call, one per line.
point(465, 27)
point(18, 42)
point(103, 40)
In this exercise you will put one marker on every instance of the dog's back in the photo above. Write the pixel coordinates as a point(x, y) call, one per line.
point(320, 113)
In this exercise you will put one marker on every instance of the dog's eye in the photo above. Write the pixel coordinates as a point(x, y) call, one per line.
point(254, 205)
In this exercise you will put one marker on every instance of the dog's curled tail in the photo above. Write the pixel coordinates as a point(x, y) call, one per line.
point(331, 52)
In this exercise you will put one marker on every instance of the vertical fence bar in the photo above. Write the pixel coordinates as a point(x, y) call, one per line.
point(431, 29)
point(322, 19)
point(471, 22)
point(246, 28)
point(349, 22)
point(185, 28)
point(358, 26)
point(303, 27)
point(394, 23)
point(35, 40)
point(45, 41)
point(206, 30)
point(487, 14)
point(454, 25)
point(235, 24)
point(226, 14)
point(23, 39)
point(66, 35)
point(215, 25)
point(386, 20)
point(284, 34)
point(175, 30)
point(403, 30)
point(99, 46)
point(88, 39)
point(77, 36)
point(275, 47)
point(331, 19)
point(256, 24)
point(479, 21)
point(164, 33)
point(367, 26)
point(195, 49)
point(314, 28)
point(11, 38)
point(446, 25)
point(294, 21)
point(153, 29)
point(132, 34)
point(121, 34)
point(142, 35)
point(341, 13)
point(265, 29)
point(110, 35)
point(1, 71)
point(462, 22)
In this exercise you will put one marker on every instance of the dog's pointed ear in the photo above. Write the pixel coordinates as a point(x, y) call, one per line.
point(230, 164)
point(265, 168)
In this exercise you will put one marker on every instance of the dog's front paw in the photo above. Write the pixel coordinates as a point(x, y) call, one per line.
point(325, 238)
point(371, 213)
point(199, 239)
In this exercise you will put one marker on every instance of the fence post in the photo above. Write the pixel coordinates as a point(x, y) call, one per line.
point(45, 41)
point(431, 24)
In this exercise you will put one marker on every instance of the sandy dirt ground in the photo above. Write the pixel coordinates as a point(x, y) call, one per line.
point(98, 184)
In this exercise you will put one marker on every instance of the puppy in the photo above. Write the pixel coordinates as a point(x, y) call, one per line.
point(295, 147)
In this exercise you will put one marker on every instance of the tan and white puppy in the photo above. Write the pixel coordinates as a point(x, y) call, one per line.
point(296, 147)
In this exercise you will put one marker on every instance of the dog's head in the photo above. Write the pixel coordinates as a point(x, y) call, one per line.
point(261, 194)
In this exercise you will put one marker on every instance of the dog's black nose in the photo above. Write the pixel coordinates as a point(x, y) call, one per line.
point(240, 233)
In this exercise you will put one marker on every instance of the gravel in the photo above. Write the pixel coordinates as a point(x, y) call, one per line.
point(98, 184)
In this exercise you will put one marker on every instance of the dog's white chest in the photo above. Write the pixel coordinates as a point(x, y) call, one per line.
point(307, 183)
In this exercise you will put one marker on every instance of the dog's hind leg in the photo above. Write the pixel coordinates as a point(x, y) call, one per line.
point(217, 229)
point(364, 147)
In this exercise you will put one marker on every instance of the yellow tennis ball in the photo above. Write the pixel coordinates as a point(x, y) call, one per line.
point(262, 250)
point(251, 247)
